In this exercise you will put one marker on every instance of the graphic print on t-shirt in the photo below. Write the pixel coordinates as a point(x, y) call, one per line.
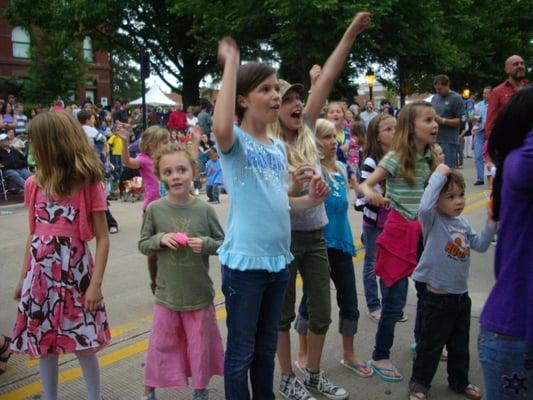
point(457, 248)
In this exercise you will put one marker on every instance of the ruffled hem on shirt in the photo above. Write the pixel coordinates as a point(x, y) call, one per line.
point(243, 262)
point(342, 246)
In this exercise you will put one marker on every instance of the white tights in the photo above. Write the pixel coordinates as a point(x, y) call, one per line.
point(48, 369)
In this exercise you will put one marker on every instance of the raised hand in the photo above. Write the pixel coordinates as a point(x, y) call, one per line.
point(227, 50)
point(443, 169)
point(314, 73)
point(362, 21)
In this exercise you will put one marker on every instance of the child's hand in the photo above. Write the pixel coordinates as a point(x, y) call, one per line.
point(18, 291)
point(123, 132)
point(490, 215)
point(443, 169)
point(227, 50)
point(318, 189)
point(314, 73)
point(93, 298)
point(376, 199)
point(301, 176)
point(169, 240)
point(196, 244)
point(362, 21)
point(196, 134)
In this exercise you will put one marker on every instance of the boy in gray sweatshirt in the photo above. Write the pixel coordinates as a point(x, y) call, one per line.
point(443, 269)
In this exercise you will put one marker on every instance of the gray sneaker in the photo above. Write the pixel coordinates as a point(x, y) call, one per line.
point(292, 389)
point(202, 394)
point(319, 383)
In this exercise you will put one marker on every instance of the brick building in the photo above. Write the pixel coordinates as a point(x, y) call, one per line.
point(14, 60)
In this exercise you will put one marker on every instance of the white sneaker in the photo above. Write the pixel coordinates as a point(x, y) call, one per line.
point(293, 389)
point(319, 383)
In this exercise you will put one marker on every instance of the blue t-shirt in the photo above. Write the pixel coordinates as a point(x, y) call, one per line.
point(337, 232)
point(213, 171)
point(257, 181)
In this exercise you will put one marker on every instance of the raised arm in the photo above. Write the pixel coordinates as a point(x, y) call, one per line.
point(124, 134)
point(334, 65)
point(228, 55)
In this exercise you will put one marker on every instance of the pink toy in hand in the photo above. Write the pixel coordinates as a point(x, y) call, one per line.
point(181, 238)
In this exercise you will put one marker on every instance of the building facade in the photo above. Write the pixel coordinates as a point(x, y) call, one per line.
point(14, 61)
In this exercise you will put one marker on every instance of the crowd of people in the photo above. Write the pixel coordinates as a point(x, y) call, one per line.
point(295, 164)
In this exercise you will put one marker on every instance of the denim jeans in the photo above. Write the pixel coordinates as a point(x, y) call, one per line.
point(254, 300)
point(370, 234)
point(450, 153)
point(17, 176)
point(392, 305)
point(343, 276)
point(445, 322)
point(479, 141)
point(212, 192)
point(507, 365)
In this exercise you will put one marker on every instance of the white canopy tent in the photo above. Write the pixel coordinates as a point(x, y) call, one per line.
point(154, 97)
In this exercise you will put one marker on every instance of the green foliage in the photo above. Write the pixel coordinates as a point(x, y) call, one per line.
point(125, 76)
point(410, 40)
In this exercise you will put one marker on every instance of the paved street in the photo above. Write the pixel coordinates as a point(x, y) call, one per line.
point(129, 304)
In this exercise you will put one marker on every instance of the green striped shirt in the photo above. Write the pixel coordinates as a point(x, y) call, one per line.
point(405, 198)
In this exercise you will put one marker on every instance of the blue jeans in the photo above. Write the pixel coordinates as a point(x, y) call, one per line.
point(254, 300)
point(212, 192)
point(479, 140)
point(507, 365)
point(343, 276)
point(370, 234)
point(392, 305)
point(450, 153)
point(17, 176)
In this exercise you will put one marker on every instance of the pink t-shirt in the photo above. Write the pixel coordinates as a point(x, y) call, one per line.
point(151, 185)
point(72, 215)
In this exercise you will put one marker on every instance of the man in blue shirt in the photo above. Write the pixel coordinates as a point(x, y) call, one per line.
point(213, 171)
point(478, 131)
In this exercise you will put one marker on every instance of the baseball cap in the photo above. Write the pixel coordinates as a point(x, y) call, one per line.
point(3, 136)
point(285, 87)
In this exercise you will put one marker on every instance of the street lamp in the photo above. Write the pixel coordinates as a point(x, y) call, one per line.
point(370, 80)
point(466, 93)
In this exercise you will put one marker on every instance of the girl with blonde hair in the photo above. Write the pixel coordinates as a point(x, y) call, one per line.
point(296, 126)
point(61, 307)
point(153, 139)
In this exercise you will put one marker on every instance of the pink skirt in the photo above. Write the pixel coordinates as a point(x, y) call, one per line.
point(182, 345)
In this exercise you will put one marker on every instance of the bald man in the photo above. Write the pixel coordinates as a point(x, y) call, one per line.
point(515, 68)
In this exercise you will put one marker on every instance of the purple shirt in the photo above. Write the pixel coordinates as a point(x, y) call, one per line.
point(508, 310)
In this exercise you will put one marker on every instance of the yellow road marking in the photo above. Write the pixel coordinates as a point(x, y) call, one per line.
point(130, 350)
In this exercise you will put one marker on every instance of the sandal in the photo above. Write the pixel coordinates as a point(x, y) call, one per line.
point(413, 395)
point(3, 350)
point(473, 392)
point(381, 372)
point(358, 368)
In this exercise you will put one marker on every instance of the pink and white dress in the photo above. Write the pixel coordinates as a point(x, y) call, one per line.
point(50, 315)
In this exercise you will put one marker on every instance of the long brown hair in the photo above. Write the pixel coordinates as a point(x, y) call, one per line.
point(373, 147)
point(66, 161)
point(404, 140)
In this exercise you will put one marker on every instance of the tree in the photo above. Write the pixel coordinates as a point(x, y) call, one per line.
point(125, 76)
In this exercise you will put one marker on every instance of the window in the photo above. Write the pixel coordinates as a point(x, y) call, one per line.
point(88, 49)
point(21, 42)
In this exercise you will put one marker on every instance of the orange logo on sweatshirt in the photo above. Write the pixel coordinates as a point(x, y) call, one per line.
point(456, 249)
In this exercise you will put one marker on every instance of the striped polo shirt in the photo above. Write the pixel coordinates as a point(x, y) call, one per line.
point(405, 198)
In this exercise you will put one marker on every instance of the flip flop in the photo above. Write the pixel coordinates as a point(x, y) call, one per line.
point(473, 392)
point(358, 368)
point(380, 372)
